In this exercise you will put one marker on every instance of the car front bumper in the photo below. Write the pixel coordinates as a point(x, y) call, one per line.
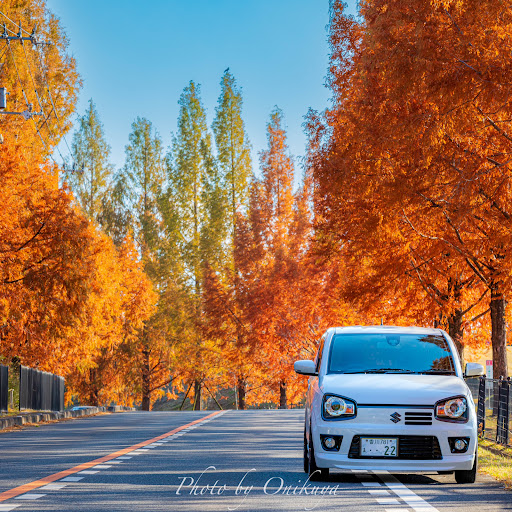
point(348, 456)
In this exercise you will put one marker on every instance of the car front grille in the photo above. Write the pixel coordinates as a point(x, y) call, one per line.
point(418, 418)
point(409, 448)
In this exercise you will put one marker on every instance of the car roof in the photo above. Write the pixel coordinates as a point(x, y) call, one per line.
point(385, 329)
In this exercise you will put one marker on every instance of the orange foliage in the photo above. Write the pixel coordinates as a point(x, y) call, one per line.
point(70, 302)
point(410, 165)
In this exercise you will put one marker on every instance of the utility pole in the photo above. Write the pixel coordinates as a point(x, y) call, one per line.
point(28, 113)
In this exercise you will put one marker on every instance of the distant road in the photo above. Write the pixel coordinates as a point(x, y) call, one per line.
point(237, 460)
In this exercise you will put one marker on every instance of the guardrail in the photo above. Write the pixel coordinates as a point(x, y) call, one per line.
point(493, 397)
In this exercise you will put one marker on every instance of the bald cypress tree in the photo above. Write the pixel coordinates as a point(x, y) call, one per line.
point(91, 152)
point(195, 220)
point(234, 157)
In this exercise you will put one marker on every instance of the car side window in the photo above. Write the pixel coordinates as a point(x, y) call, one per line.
point(318, 359)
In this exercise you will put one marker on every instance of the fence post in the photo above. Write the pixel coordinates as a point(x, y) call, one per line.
point(4, 388)
point(481, 406)
point(503, 411)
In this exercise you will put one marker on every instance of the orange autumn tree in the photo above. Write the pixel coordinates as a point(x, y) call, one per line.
point(67, 296)
point(408, 154)
point(45, 245)
point(288, 295)
point(121, 300)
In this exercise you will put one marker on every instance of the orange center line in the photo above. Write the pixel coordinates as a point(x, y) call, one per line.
point(12, 493)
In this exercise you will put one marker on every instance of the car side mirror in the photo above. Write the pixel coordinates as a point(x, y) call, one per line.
point(305, 367)
point(474, 370)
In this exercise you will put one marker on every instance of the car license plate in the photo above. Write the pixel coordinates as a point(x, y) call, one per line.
point(379, 447)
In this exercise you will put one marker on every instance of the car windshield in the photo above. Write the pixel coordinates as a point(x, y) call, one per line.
point(390, 353)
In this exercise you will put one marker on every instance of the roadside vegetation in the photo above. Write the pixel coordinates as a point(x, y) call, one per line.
point(496, 460)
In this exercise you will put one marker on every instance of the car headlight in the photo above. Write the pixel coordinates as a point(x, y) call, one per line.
point(337, 407)
point(452, 409)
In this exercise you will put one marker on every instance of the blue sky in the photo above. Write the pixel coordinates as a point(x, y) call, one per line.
point(135, 58)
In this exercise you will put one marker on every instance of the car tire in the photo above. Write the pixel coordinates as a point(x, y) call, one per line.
point(315, 473)
point(467, 476)
point(306, 455)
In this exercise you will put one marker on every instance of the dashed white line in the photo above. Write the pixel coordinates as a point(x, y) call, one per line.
point(87, 472)
point(53, 487)
point(378, 492)
point(7, 508)
point(387, 501)
point(29, 496)
point(72, 479)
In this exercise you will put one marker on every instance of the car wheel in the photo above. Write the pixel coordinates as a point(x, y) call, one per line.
point(315, 473)
point(467, 476)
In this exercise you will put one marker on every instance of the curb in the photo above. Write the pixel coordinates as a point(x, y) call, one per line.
point(37, 417)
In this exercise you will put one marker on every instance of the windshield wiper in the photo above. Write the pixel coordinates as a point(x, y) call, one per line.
point(439, 371)
point(383, 370)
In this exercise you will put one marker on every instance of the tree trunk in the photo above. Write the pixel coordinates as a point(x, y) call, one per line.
point(283, 403)
point(197, 395)
point(146, 381)
point(93, 392)
point(241, 390)
point(456, 332)
point(499, 333)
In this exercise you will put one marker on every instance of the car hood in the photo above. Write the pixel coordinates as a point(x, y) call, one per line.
point(394, 389)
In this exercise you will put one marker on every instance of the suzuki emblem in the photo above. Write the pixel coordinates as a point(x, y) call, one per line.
point(395, 417)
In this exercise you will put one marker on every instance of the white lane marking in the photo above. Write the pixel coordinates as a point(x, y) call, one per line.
point(6, 508)
point(359, 471)
point(115, 461)
point(403, 492)
point(371, 484)
point(87, 472)
point(387, 501)
point(140, 450)
point(379, 492)
point(53, 487)
point(102, 466)
point(124, 457)
point(29, 496)
point(72, 479)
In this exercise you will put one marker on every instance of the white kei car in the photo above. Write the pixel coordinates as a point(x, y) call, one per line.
point(389, 398)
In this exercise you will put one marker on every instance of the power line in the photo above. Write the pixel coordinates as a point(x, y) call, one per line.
point(32, 78)
point(16, 24)
point(29, 106)
point(50, 131)
point(45, 75)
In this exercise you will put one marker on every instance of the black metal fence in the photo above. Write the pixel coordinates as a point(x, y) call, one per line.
point(4, 388)
point(40, 391)
point(494, 408)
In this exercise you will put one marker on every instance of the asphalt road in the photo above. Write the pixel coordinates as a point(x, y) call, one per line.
point(234, 461)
